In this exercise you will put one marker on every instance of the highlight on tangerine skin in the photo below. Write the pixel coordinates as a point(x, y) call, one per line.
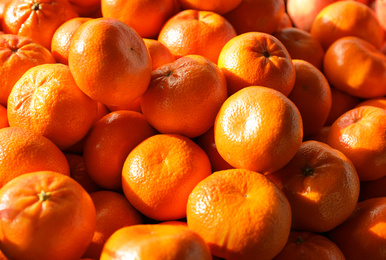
point(45, 208)
point(257, 59)
point(156, 241)
point(159, 174)
point(17, 55)
point(184, 96)
point(362, 236)
point(109, 61)
point(360, 134)
point(240, 214)
point(321, 185)
point(356, 67)
point(37, 20)
point(258, 129)
point(47, 101)
point(180, 32)
point(329, 25)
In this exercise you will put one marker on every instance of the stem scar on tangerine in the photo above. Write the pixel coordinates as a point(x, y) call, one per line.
point(43, 196)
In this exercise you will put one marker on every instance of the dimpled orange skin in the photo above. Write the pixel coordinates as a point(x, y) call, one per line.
point(37, 19)
point(321, 185)
point(311, 246)
point(108, 144)
point(145, 16)
point(220, 7)
point(45, 208)
point(303, 12)
point(356, 67)
point(259, 129)
point(257, 59)
point(360, 134)
point(311, 95)
point(331, 23)
point(154, 241)
point(17, 55)
point(78, 172)
point(77, 148)
point(363, 235)
point(207, 143)
point(184, 96)
point(301, 45)
point(159, 174)
point(22, 151)
point(241, 214)
point(113, 211)
point(47, 101)
point(256, 16)
point(62, 37)
point(159, 53)
point(109, 61)
point(180, 34)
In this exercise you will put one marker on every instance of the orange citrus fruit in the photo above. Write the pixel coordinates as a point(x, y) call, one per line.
point(159, 174)
point(240, 214)
point(184, 96)
point(259, 129)
point(45, 208)
point(257, 59)
point(47, 101)
point(109, 61)
point(155, 241)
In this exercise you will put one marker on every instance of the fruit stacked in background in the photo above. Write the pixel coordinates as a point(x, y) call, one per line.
point(191, 129)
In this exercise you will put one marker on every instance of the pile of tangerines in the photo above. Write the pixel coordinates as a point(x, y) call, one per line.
point(192, 129)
